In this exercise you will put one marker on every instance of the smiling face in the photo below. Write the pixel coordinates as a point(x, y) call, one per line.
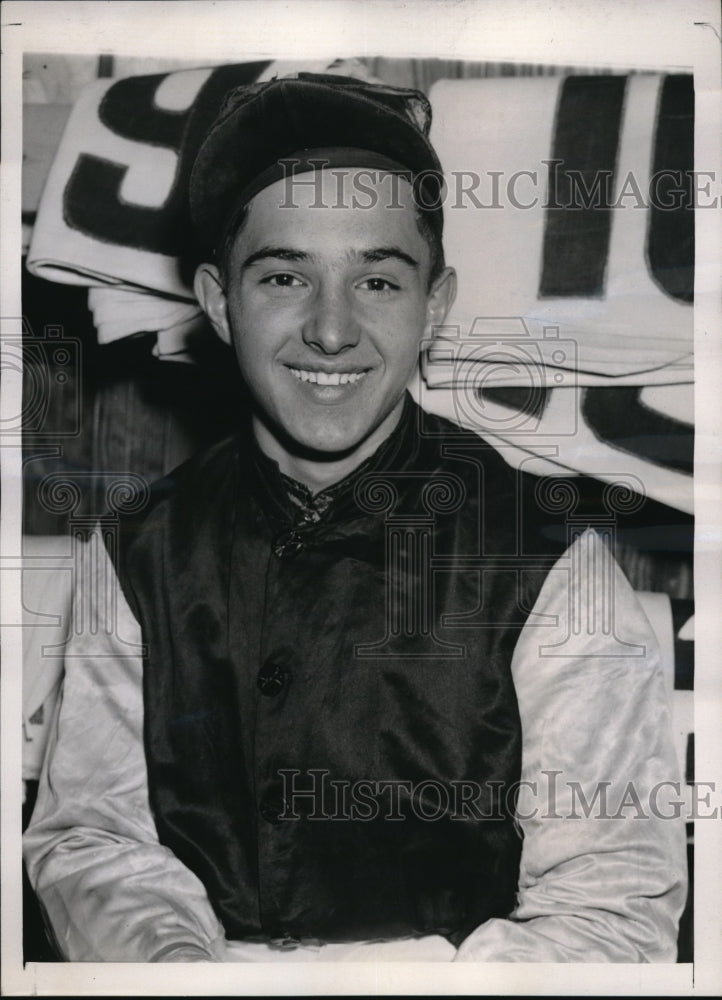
point(326, 308)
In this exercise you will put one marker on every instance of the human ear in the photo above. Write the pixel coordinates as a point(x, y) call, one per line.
point(439, 301)
point(211, 295)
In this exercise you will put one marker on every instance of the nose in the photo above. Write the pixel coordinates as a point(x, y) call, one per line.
point(330, 326)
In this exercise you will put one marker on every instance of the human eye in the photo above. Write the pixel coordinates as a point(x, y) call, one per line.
point(282, 280)
point(380, 286)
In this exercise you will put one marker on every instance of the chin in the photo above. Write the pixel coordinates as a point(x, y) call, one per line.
point(329, 446)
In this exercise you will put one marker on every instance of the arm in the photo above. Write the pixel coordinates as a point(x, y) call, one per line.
point(592, 889)
point(110, 891)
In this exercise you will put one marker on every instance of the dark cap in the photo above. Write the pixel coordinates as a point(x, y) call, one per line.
point(309, 121)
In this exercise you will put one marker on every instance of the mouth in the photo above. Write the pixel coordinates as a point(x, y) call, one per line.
point(317, 377)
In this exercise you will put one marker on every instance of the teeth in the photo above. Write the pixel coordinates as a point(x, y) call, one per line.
point(327, 378)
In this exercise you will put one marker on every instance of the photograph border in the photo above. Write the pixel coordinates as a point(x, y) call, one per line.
point(654, 34)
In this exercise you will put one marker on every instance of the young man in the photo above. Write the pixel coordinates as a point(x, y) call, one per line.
point(352, 613)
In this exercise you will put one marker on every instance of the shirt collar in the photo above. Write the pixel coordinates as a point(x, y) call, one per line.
point(289, 501)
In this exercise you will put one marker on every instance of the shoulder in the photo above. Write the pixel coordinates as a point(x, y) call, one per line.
point(448, 445)
point(182, 506)
point(511, 501)
point(196, 479)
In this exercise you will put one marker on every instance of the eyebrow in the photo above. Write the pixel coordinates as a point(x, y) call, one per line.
point(275, 253)
point(374, 256)
point(385, 253)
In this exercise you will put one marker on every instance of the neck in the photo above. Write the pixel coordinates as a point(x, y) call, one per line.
point(317, 470)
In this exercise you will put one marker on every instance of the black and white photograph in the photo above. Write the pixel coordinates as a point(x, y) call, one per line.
point(361, 498)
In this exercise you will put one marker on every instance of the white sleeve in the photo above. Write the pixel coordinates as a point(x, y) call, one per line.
point(603, 879)
point(110, 891)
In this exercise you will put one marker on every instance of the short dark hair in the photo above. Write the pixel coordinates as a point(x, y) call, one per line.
point(435, 243)
point(430, 233)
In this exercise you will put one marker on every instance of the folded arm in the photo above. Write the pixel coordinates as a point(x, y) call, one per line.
point(603, 870)
point(110, 890)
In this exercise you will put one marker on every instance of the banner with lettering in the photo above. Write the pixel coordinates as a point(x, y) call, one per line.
point(569, 213)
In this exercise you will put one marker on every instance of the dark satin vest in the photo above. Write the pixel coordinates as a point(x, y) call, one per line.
point(331, 728)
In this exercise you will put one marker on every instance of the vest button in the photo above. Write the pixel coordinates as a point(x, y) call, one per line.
point(287, 543)
point(271, 809)
point(272, 678)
